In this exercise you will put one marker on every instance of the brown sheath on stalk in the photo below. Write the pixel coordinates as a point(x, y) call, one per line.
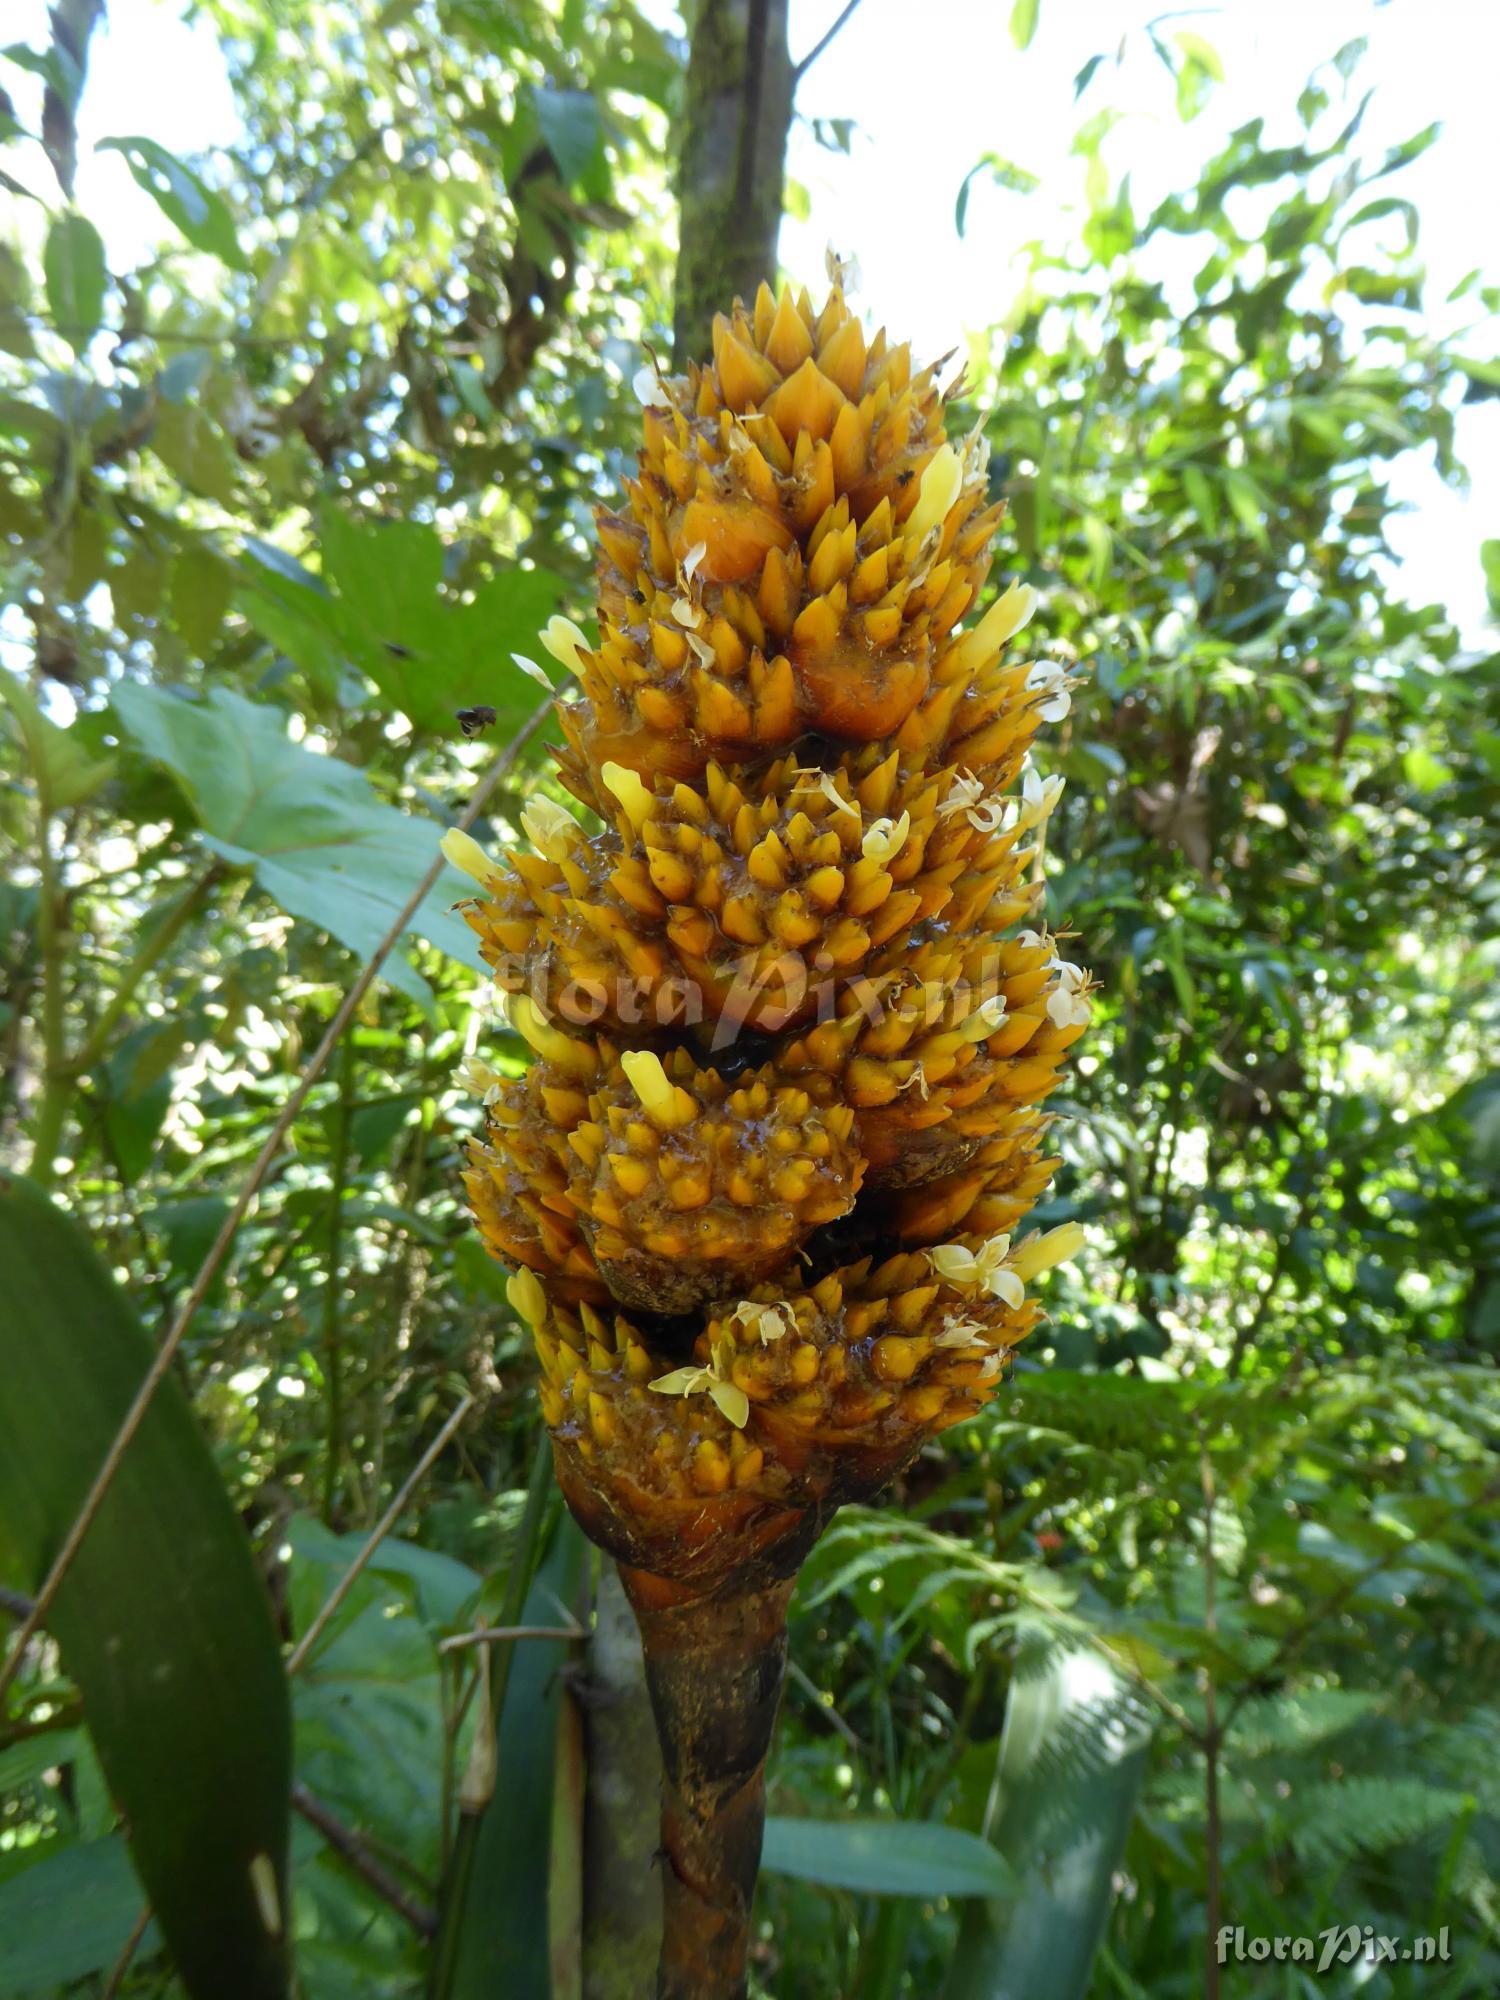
point(792, 1025)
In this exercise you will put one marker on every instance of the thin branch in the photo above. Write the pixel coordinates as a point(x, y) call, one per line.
point(490, 1635)
point(373, 1872)
point(73, 1541)
point(800, 69)
point(128, 1951)
point(378, 1534)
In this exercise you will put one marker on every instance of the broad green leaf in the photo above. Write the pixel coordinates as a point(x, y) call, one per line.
point(62, 770)
point(1072, 1759)
point(162, 1620)
point(885, 1857)
point(68, 1915)
point(320, 842)
point(1023, 20)
point(183, 197)
point(73, 264)
point(429, 655)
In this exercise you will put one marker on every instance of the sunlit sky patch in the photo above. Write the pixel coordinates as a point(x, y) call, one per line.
point(931, 87)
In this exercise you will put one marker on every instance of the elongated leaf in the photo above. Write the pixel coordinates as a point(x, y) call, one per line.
point(162, 1619)
point(1071, 1763)
point(505, 1942)
point(885, 1857)
point(320, 842)
point(73, 265)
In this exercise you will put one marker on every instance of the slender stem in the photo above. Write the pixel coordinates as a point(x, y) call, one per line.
point(818, 47)
point(1212, 1823)
point(51, 945)
point(378, 1534)
point(333, 1361)
point(128, 1951)
point(165, 1354)
point(715, 1667)
point(372, 1871)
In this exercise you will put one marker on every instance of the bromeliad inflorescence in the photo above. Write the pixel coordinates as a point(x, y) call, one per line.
point(761, 1184)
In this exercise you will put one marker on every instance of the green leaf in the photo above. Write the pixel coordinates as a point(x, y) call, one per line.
point(504, 1945)
point(1023, 20)
point(63, 771)
point(1004, 173)
point(1199, 490)
point(321, 844)
point(202, 585)
point(1072, 1759)
point(73, 265)
point(1248, 505)
point(1424, 771)
point(68, 1915)
point(202, 215)
point(885, 1857)
point(574, 132)
point(162, 1620)
point(1489, 556)
point(428, 655)
point(188, 444)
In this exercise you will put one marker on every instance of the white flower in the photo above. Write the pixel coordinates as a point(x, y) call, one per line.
point(958, 1330)
point(727, 1397)
point(965, 791)
point(538, 674)
point(1034, 940)
point(645, 385)
point(987, 1019)
point(1040, 796)
point(971, 1270)
point(1050, 679)
point(917, 1080)
point(884, 838)
point(691, 561)
point(842, 271)
point(1067, 1010)
point(992, 815)
point(686, 612)
point(479, 1080)
point(765, 1322)
point(822, 781)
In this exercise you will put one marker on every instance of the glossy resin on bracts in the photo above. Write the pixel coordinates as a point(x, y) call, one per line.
point(795, 1016)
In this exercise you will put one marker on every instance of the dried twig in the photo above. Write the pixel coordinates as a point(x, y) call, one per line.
point(372, 1871)
point(490, 1635)
point(155, 1375)
point(128, 1951)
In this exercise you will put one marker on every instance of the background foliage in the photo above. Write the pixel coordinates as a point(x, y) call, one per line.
point(1214, 1593)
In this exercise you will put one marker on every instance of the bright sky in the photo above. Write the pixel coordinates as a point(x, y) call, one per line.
point(934, 84)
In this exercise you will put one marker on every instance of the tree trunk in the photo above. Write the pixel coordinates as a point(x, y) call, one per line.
point(715, 1667)
point(736, 114)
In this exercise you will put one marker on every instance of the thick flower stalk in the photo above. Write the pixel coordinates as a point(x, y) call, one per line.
point(794, 1018)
